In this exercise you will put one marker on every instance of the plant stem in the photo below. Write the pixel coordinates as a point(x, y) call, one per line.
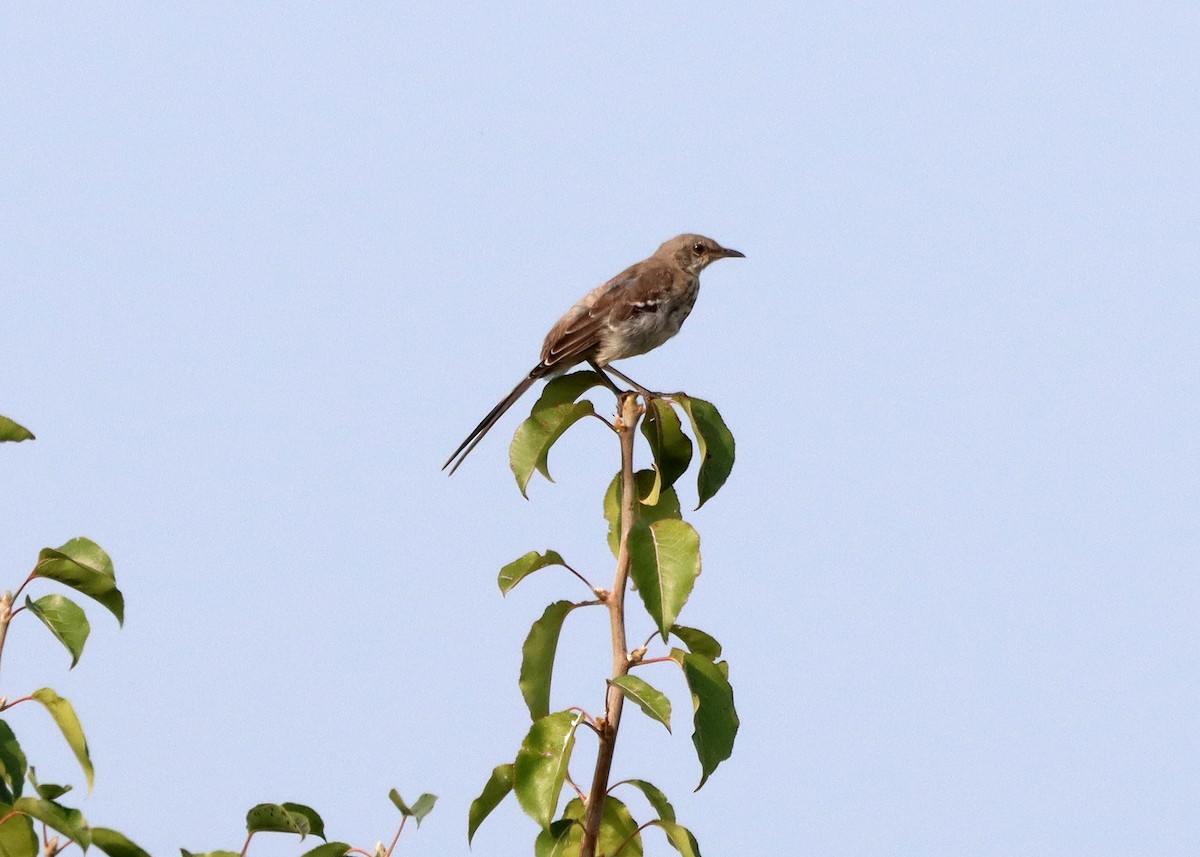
point(629, 838)
point(6, 614)
point(629, 412)
point(392, 847)
point(664, 659)
point(586, 582)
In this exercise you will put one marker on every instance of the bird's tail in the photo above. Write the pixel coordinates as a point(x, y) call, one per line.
point(464, 448)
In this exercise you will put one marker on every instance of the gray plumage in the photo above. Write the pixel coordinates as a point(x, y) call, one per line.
point(636, 311)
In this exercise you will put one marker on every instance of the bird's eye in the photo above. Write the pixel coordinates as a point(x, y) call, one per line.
point(699, 249)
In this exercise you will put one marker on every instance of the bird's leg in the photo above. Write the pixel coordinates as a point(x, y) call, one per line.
point(650, 394)
point(608, 382)
point(620, 394)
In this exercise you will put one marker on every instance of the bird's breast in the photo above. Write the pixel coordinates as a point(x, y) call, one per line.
point(649, 325)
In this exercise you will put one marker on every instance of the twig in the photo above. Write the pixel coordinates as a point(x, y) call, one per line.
point(661, 660)
point(7, 705)
point(588, 720)
point(21, 588)
point(6, 614)
point(629, 412)
point(578, 790)
point(603, 420)
point(396, 838)
point(586, 582)
point(629, 838)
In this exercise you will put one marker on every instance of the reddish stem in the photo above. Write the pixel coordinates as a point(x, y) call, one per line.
point(586, 582)
point(587, 718)
point(618, 783)
point(396, 838)
point(578, 790)
point(16, 702)
point(603, 420)
point(661, 660)
point(629, 838)
point(28, 580)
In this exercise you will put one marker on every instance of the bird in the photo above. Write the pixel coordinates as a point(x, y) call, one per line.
point(636, 311)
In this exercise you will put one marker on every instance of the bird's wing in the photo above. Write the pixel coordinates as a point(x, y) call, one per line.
point(577, 335)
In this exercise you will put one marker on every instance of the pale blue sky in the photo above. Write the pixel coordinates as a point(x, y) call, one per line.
point(262, 270)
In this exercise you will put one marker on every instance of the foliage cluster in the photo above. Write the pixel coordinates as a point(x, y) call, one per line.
point(82, 566)
point(659, 552)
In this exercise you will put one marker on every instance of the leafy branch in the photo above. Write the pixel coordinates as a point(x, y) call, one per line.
point(83, 566)
point(303, 821)
point(660, 553)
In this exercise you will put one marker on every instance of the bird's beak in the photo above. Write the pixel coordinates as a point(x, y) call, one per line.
point(726, 253)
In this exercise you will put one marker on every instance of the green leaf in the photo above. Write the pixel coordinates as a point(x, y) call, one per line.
point(47, 791)
point(567, 388)
point(670, 447)
point(666, 507)
point(394, 797)
point(657, 799)
point(423, 807)
point(316, 827)
point(285, 818)
point(560, 839)
point(17, 838)
point(715, 717)
point(11, 431)
point(665, 564)
point(698, 642)
point(12, 765)
point(519, 569)
point(563, 837)
point(273, 818)
point(329, 849)
point(116, 844)
point(82, 565)
point(52, 791)
point(653, 702)
point(499, 784)
point(69, 822)
point(716, 446)
point(680, 837)
point(65, 619)
point(537, 658)
point(418, 810)
point(531, 444)
point(68, 723)
point(541, 766)
point(617, 826)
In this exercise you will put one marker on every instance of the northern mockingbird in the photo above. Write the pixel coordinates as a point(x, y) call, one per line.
point(636, 311)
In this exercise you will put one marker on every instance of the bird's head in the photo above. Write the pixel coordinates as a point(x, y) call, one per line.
point(694, 253)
